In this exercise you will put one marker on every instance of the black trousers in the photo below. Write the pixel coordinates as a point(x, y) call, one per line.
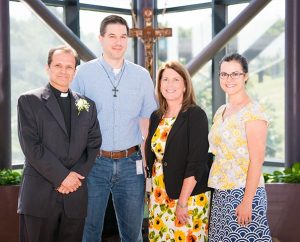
point(55, 228)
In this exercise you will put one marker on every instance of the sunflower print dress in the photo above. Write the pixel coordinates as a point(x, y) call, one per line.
point(163, 225)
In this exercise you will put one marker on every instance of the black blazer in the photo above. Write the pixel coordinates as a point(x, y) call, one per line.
point(50, 154)
point(185, 153)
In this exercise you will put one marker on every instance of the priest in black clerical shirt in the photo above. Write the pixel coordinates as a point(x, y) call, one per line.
point(60, 137)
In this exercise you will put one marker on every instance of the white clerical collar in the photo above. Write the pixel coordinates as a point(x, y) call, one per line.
point(64, 94)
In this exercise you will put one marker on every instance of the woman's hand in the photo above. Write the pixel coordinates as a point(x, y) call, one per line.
point(182, 213)
point(244, 213)
point(182, 204)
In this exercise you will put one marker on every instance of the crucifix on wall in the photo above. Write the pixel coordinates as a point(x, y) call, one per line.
point(148, 35)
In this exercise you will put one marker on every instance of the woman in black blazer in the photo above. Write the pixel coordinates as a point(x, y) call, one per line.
point(176, 153)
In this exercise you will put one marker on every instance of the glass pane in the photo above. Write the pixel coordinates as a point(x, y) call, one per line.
point(189, 38)
point(262, 42)
point(89, 32)
point(176, 3)
point(109, 3)
point(29, 51)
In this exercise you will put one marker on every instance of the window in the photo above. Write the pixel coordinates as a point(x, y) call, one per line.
point(188, 39)
point(109, 3)
point(29, 52)
point(176, 3)
point(90, 30)
point(262, 42)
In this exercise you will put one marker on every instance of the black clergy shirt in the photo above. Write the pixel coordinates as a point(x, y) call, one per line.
point(65, 106)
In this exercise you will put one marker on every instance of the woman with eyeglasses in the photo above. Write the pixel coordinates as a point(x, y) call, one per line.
point(238, 139)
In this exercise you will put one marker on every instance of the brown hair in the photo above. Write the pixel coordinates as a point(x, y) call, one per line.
point(112, 19)
point(65, 49)
point(189, 98)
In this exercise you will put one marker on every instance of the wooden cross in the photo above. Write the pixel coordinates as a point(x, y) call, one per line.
point(148, 36)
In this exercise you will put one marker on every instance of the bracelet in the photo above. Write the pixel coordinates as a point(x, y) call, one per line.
point(181, 206)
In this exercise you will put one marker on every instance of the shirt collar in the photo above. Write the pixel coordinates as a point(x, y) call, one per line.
point(108, 68)
point(58, 93)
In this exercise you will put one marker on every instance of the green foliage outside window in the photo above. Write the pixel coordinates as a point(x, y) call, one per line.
point(288, 175)
point(10, 177)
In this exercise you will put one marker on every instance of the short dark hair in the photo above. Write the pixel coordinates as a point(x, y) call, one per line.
point(64, 48)
point(236, 57)
point(112, 19)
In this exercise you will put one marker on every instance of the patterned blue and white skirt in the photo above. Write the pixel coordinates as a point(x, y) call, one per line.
point(223, 222)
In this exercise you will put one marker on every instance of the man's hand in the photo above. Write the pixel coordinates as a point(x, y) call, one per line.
point(62, 189)
point(71, 183)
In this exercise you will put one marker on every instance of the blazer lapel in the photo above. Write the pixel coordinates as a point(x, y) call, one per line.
point(53, 107)
point(154, 124)
point(74, 118)
point(177, 124)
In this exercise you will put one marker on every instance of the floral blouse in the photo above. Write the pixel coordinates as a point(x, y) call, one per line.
point(228, 142)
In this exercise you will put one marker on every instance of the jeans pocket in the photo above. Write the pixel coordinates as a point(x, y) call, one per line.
point(135, 156)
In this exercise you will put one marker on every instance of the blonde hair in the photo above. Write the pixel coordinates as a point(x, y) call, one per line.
point(189, 98)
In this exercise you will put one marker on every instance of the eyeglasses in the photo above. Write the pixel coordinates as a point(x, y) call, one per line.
point(233, 75)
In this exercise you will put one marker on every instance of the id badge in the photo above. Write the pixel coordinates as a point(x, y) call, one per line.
point(139, 167)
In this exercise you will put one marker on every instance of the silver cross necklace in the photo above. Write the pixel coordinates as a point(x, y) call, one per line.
point(115, 90)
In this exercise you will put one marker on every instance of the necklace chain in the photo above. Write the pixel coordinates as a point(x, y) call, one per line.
point(115, 90)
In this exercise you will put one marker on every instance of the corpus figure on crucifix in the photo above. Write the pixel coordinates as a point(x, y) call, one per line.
point(148, 36)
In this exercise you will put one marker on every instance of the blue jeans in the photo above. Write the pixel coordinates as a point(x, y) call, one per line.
point(120, 178)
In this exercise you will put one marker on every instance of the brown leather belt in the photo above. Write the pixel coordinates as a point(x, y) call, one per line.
point(118, 154)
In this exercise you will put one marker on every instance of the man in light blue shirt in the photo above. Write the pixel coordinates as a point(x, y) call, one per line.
point(124, 96)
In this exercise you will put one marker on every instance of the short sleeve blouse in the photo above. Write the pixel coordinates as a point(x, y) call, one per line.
point(228, 142)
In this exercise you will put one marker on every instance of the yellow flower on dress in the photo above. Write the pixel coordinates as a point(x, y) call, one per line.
point(217, 140)
point(240, 142)
point(201, 200)
point(159, 195)
point(231, 124)
point(153, 172)
point(158, 223)
point(229, 156)
point(227, 184)
point(236, 132)
point(156, 135)
point(191, 238)
point(161, 122)
point(150, 223)
point(179, 236)
point(170, 202)
point(164, 135)
point(159, 180)
point(158, 148)
point(197, 224)
point(178, 223)
point(206, 229)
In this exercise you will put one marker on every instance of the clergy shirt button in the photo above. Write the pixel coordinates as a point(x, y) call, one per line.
point(165, 163)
